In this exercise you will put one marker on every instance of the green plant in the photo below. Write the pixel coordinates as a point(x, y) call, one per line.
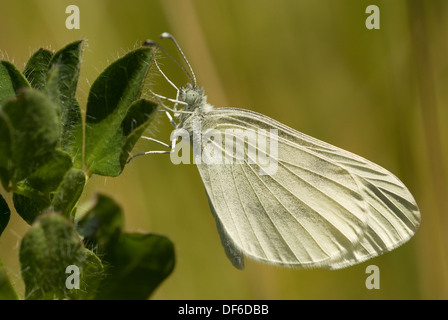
point(47, 155)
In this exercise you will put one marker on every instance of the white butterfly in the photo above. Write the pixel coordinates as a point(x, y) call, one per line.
point(323, 207)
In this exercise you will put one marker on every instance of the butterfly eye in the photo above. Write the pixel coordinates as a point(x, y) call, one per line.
point(191, 97)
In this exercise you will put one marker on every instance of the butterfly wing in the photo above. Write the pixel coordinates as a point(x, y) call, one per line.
point(324, 206)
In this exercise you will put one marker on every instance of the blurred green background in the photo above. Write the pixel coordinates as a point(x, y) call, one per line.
point(312, 65)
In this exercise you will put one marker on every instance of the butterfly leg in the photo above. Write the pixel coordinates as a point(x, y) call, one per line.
point(173, 142)
point(170, 118)
point(152, 151)
point(173, 101)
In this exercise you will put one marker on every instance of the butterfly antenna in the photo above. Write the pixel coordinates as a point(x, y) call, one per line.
point(163, 74)
point(151, 43)
point(167, 35)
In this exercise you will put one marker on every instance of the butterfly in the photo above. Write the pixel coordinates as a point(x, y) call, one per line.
point(321, 207)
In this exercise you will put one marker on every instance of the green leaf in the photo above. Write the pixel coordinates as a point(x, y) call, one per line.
point(140, 262)
point(34, 130)
point(72, 135)
point(67, 61)
point(134, 124)
point(29, 204)
point(48, 176)
point(5, 151)
point(135, 263)
point(34, 194)
point(109, 119)
point(11, 81)
point(36, 69)
point(54, 186)
point(7, 291)
point(102, 224)
point(4, 215)
point(68, 193)
point(47, 249)
point(51, 88)
point(91, 275)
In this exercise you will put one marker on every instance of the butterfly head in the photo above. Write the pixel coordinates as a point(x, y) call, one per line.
point(193, 96)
